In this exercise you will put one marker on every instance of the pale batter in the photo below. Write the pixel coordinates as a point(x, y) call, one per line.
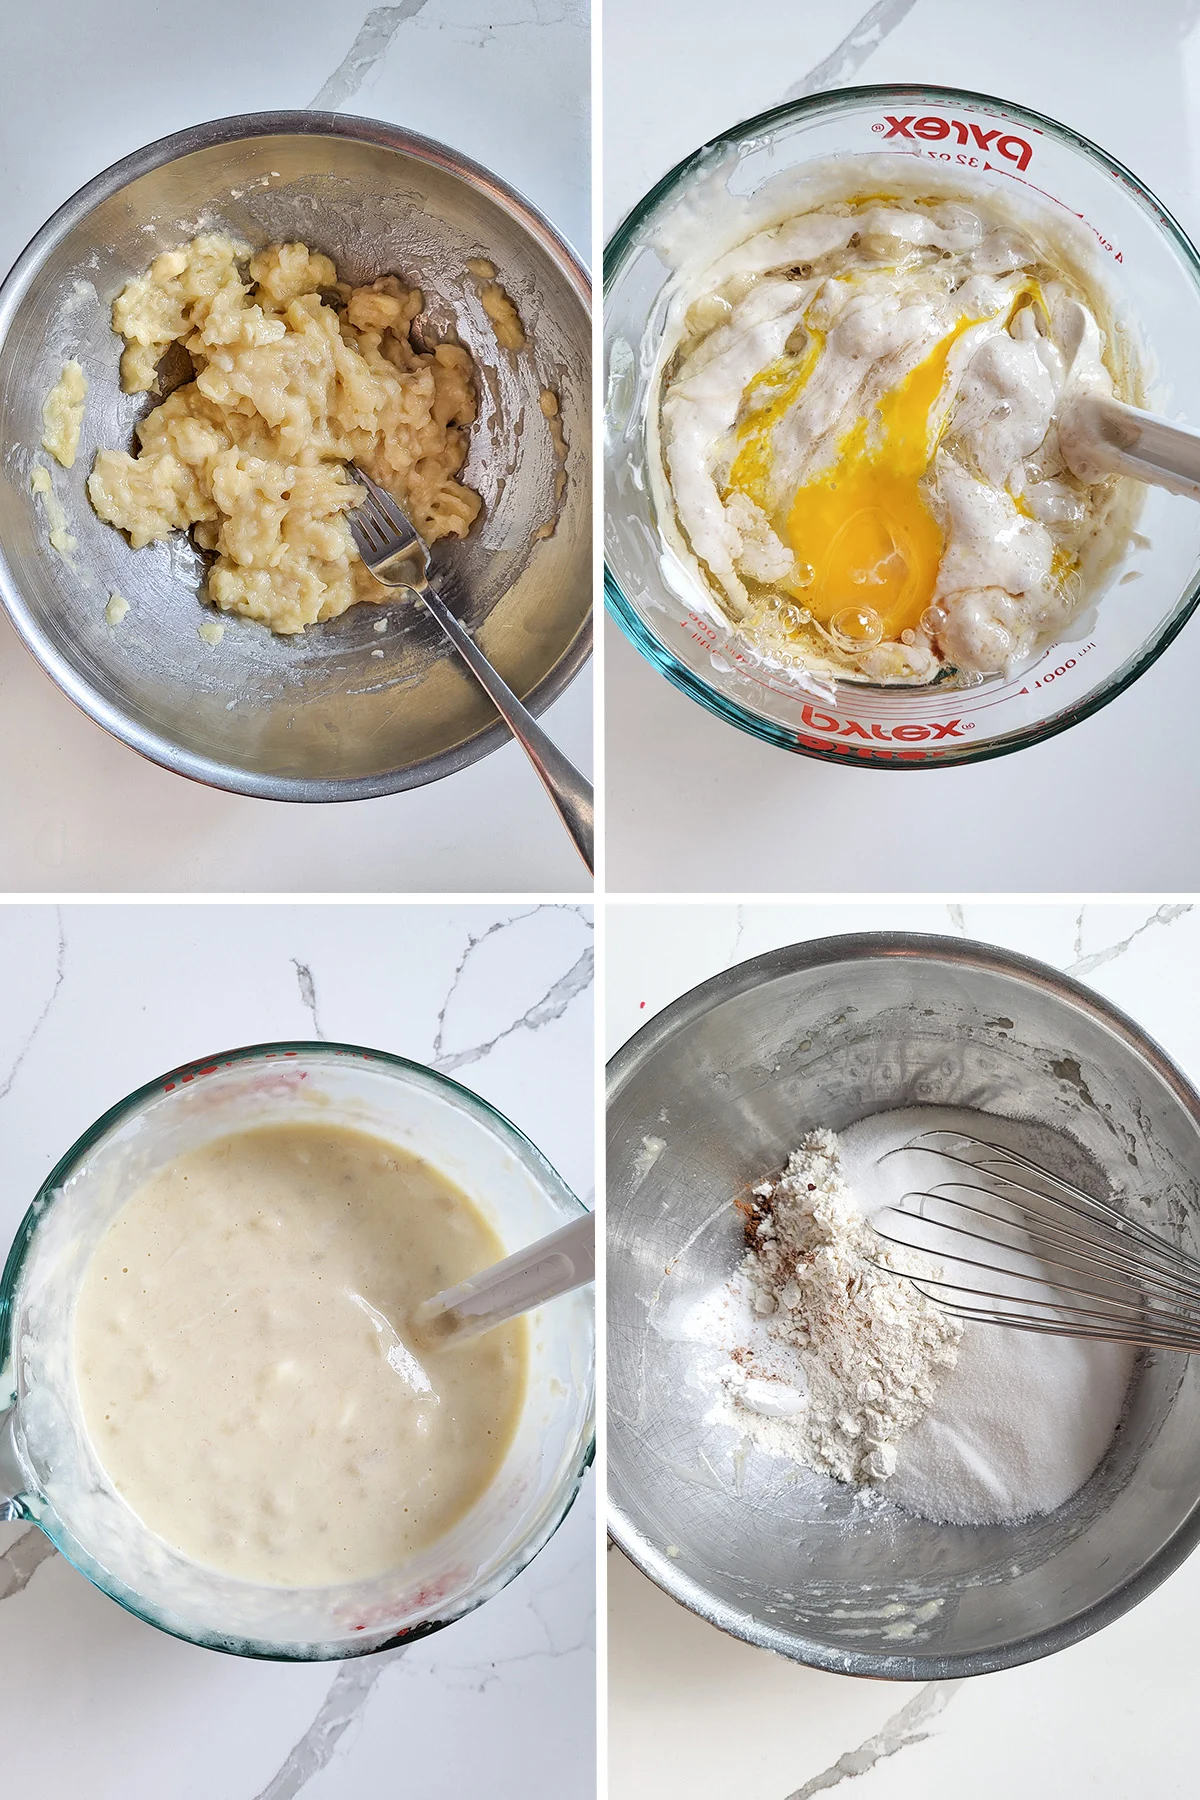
point(296, 374)
point(246, 1367)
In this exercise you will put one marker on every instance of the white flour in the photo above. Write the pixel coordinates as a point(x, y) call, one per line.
point(872, 1348)
point(863, 1383)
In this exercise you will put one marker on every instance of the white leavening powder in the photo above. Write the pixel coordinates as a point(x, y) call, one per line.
point(870, 1349)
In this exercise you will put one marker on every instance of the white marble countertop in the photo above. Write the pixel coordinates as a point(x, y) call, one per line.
point(1098, 809)
point(695, 1712)
point(505, 81)
point(98, 999)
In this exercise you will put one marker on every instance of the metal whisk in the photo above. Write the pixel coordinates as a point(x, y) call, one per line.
point(1070, 1265)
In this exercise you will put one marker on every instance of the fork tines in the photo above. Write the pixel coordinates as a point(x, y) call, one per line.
point(378, 526)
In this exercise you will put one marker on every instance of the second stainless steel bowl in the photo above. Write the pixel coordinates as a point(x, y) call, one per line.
point(712, 1094)
point(318, 716)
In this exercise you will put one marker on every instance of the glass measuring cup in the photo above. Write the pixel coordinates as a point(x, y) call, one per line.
point(962, 143)
point(49, 1472)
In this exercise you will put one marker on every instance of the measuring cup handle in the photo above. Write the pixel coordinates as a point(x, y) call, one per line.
point(12, 1479)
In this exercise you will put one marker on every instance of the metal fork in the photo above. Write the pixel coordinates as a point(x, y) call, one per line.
point(398, 558)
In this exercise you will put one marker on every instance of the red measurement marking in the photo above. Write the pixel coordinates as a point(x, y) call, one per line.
point(1099, 236)
point(1062, 669)
point(829, 725)
point(182, 1076)
point(1014, 150)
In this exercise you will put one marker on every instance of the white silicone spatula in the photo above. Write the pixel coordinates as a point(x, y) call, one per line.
point(1102, 436)
point(1099, 435)
point(554, 1265)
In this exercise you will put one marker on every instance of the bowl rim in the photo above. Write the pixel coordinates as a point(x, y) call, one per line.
point(153, 744)
point(466, 1100)
point(734, 712)
point(868, 946)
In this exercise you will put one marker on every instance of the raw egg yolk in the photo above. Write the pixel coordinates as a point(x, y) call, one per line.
point(862, 526)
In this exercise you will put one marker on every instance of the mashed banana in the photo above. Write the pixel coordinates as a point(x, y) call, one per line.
point(288, 387)
point(505, 319)
point(62, 414)
point(499, 305)
point(60, 536)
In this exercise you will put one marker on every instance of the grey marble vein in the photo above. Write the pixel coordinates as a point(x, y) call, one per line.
point(583, 1639)
point(739, 933)
point(1079, 934)
point(27, 1046)
point(473, 943)
point(552, 1005)
point(854, 49)
point(447, 1060)
point(901, 1730)
point(348, 1693)
point(22, 1559)
point(366, 52)
point(563, 1578)
point(308, 993)
point(477, 1678)
point(957, 920)
point(540, 13)
point(1084, 965)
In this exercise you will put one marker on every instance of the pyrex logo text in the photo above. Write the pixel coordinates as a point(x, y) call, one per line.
point(828, 726)
point(933, 129)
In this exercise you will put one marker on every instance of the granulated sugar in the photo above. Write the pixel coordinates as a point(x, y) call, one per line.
point(1022, 1419)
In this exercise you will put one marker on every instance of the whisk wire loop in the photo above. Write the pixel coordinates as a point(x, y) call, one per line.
point(1090, 1204)
point(1147, 1336)
point(1072, 1263)
point(1082, 1252)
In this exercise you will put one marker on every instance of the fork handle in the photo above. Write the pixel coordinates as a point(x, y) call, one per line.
point(571, 794)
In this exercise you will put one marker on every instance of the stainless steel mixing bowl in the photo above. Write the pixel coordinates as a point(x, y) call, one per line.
point(319, 716)
point(712, 1094)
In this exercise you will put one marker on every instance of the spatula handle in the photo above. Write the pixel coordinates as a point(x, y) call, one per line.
point(554, 1265)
